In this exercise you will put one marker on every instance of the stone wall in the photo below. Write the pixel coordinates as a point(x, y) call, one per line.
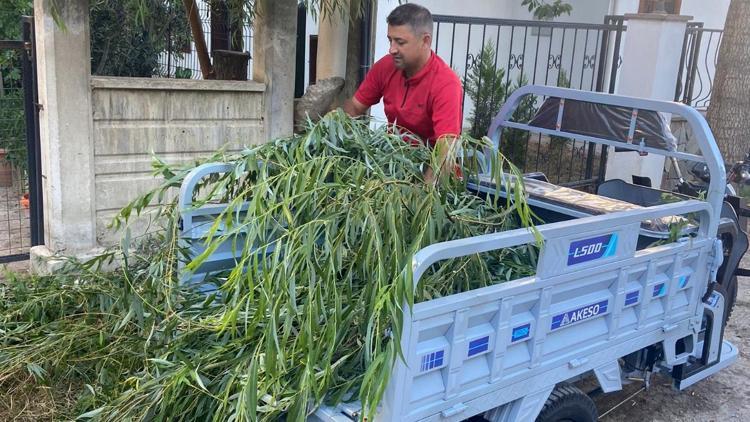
point(177, 120)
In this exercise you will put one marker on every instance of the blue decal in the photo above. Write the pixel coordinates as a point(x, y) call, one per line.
point(659, 290)
point(479, 345)
point(580, 314)
point(432, 360)
point(594, 248)
point(632, 298)
point(520, 333)
point(713, 301)
point(683, 281)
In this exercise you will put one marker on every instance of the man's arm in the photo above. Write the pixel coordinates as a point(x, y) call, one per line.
point(368, 93)
point(446, 120)
point(354, 108)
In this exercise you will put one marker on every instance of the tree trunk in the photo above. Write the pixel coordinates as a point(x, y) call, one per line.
point(196, 28)
point(353, 51)
point(729, 110)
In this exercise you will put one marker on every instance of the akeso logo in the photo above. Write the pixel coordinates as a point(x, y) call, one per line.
point(580, 314)
point(593, 248)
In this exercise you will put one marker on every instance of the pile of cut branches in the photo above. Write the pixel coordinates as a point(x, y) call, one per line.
point(325, 225)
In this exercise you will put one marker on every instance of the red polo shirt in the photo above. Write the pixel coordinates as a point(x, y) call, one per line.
point(427, 104)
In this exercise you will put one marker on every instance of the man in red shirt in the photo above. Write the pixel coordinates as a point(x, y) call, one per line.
point(420, 92)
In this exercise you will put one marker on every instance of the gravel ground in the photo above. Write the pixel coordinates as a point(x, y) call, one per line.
point(725, 396)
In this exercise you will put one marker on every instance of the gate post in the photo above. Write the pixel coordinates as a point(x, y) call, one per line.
point(650, 65)
point(67, 152)
point(274, 49)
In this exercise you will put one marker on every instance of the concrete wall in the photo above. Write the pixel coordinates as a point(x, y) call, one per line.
point(177, 120)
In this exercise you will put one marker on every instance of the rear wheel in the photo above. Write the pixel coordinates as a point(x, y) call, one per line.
point(568, 404)
point(731, 296)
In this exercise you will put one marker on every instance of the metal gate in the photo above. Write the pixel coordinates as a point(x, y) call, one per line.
point(20, 164)
point(700, 54)
point(495, 56)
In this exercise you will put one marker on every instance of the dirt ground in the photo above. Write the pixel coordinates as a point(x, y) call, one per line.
point(724, 396)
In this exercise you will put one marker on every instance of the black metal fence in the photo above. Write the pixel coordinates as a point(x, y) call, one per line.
point(20, 193)
point(495, 56)
point(182, 61)
point(700, 53)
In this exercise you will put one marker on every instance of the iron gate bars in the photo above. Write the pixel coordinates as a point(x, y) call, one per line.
point(493, 57)
point(700, 53)
point(21, 206)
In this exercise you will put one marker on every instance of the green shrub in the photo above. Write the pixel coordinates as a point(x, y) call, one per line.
point(488, 87)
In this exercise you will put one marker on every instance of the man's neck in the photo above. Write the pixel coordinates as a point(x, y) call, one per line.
point(411, 72)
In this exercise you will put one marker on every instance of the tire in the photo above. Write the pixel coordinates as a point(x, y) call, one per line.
point(729, 291)
point(568, 404)
point(731, 297)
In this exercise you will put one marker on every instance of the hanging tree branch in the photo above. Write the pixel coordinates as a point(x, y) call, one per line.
point(200, 40)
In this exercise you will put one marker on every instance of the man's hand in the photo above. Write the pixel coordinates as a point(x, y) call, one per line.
point(446, 149)
point(354, 108)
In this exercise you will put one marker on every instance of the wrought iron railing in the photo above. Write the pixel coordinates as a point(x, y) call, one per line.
point(700, 53)
point(494, 56)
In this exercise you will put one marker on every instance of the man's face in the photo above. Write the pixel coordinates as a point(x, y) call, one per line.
point(407, 47)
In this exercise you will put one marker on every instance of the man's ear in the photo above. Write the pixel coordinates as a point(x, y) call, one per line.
point(427, 40)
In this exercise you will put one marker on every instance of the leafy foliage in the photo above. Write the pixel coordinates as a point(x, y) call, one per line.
point(327, 223)
point(545, 11)
point(12, 125)
point(127, 38)
point(514, 142)
point(488, 87)
point(10, 18)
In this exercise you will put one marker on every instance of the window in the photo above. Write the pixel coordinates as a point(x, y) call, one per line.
point(649, 6)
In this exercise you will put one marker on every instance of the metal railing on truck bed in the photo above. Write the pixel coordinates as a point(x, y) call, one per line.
point(595, 297)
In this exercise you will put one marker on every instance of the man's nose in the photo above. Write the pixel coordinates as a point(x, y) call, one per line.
point(392, 49)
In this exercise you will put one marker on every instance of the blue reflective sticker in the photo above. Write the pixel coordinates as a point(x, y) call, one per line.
point(683, 281)
point(520, 333)
point(479, 345)
point(594, 248)
point(632, 298)
point(713, 301)
point(659, 290)
point(581, 314)
point(432, 360)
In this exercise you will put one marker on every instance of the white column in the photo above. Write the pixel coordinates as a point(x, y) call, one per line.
point(63, 65)
point(274, 47)
point(650, 63)
point(332, 41)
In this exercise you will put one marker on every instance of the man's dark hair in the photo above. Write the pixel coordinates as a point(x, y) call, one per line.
point(414, 15)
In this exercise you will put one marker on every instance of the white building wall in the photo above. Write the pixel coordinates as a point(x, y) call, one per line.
point(582, 76)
